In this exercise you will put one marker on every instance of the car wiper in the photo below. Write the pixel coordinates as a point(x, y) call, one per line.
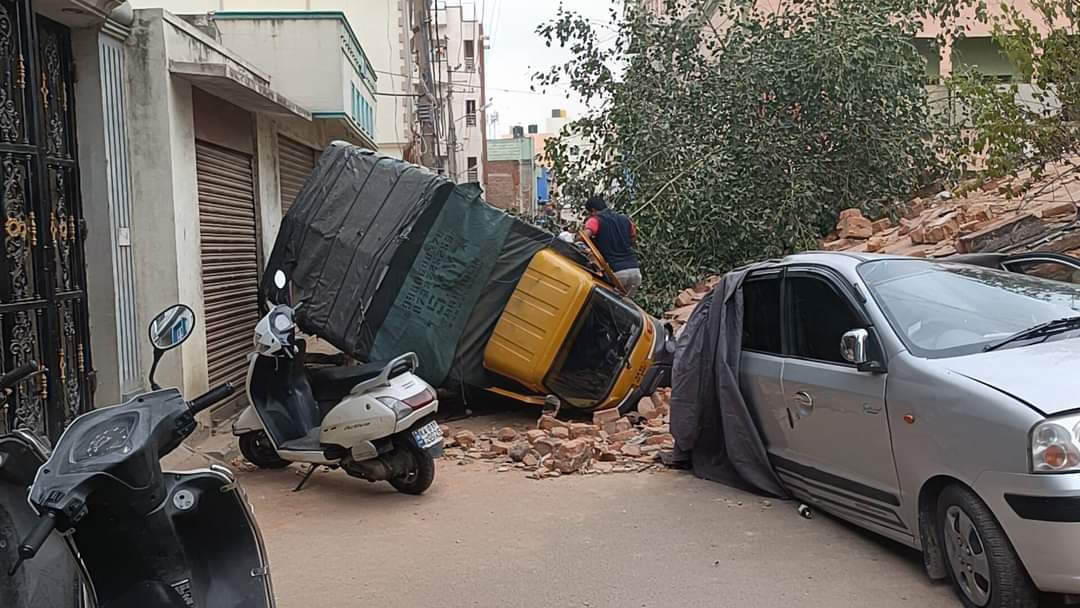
point(1042, 330)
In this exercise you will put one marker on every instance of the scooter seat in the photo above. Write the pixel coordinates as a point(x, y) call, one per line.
point(307, 443)
point(333, 383)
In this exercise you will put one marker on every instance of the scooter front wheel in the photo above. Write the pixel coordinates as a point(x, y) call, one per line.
point(420, 472)
point(259, 451)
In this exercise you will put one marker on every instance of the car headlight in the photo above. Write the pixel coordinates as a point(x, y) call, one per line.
point(1055, 445)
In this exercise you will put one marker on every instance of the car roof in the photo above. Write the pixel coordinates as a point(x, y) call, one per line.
point(837, 258)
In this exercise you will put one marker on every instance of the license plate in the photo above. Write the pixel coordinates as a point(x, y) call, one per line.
point(427, 435)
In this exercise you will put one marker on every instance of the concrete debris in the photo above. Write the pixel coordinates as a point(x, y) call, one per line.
point(465, 439)
point(572, 456)
point(637, 442)
point(531, 459)
point(602, 417)
point(518, 451)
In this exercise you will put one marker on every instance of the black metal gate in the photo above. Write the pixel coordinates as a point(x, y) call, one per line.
point(43, 314)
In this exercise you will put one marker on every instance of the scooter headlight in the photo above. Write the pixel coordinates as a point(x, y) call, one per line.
point(1055, 445)
point(401, 409)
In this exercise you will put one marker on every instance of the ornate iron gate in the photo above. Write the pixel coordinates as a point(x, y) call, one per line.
point(43, 313)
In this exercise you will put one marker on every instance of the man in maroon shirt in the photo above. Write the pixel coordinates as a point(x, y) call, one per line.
point(614, 235)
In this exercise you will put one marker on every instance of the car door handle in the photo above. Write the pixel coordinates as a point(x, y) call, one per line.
point(806, 403)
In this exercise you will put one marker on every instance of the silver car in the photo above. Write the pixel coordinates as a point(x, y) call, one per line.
point(937, 404)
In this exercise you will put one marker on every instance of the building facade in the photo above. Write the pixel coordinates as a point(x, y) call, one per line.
point(384, 26)
point(204, 126)
point(460, 90)
point(512, 175)
point(208, 126)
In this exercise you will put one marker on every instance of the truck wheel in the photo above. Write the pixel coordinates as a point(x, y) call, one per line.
point(257, 449)
point(420, 472)
point(984, 568)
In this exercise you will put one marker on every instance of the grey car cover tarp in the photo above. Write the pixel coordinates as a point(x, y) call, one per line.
point(388, 258)
point(714, 429)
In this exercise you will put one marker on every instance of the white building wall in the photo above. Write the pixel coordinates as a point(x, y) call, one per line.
point(106, 194)
point(456, 24)
point(165, 220)
point(295, 54)
point(385, 30)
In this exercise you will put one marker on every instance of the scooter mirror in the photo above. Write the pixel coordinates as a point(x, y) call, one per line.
point(279, 279)
point(167, 331)
point(172, 327)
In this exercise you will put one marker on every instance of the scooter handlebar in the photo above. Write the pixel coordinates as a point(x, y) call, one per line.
point(211, 397)
point(18, 374)
point(33, 541)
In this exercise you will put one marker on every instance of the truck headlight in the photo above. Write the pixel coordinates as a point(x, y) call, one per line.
point(1055, 445)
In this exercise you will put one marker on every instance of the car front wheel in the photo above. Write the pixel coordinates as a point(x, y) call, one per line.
point(981, 561)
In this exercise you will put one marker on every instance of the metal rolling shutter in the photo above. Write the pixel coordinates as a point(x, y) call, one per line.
point(230, 259)
point(295, 163)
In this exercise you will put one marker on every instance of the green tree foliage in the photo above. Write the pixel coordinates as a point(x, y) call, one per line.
point(740, 137)
point(1029, 123)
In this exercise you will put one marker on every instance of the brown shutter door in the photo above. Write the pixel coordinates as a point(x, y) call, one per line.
point(295, 163)
point(230, 259)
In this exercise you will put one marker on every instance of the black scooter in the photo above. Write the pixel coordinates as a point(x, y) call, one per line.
point(141, 537)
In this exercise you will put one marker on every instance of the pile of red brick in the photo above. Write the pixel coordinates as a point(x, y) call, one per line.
point(1015, 216)
point(997, 216)
point(609, 444)
point(687, 301)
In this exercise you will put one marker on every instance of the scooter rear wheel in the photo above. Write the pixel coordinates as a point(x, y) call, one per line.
point(420, 473)
point(257, 449)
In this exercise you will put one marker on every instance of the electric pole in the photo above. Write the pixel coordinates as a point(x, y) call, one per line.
point(451, 130)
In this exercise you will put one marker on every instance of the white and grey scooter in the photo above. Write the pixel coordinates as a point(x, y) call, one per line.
point(375, 421)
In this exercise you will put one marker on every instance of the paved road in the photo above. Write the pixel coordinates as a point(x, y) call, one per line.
point(481, 538)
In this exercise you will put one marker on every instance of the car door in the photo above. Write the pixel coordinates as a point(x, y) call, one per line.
point(762, 356)
point(839, 447)
point(1045, 265)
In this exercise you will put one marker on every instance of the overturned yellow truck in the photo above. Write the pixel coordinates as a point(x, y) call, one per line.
point(386, 258)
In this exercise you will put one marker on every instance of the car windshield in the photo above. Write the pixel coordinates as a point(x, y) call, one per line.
point(944, 310)
point(595, 350)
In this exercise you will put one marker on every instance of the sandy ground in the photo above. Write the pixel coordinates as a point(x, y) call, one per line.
point(483, 538)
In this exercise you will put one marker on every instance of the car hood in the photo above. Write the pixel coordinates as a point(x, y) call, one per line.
point(1046, 376)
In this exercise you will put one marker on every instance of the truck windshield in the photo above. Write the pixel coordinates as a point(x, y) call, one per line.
point(595, 351)
point(946, 310)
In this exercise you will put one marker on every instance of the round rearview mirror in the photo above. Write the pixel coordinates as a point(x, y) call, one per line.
point(170, 328)
point(279, 279)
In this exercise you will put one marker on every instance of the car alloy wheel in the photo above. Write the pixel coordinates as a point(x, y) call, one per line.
point(967, 556)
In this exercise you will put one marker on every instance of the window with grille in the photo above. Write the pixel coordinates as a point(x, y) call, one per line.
point(474, 171)
point(470, 113)
point(470, 56)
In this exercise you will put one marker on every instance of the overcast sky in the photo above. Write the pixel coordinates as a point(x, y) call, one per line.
point(517, 52)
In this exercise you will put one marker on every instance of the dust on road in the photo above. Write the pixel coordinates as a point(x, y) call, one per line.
point(482, 538)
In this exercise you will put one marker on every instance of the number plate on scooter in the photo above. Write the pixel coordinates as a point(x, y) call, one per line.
point(427, 435)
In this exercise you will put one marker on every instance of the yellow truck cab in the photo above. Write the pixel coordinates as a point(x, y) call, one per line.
point(566, 332)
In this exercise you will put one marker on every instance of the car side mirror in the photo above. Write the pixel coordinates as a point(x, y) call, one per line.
point(168, 330)
point(855, 346)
